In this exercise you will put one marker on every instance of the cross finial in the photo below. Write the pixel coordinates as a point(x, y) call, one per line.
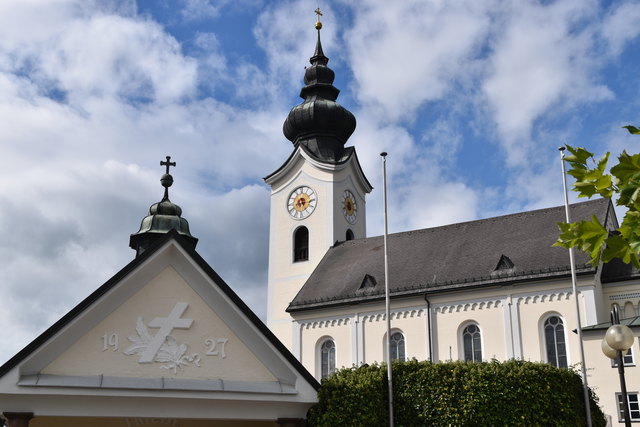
point(168, 163)
point(318, 23)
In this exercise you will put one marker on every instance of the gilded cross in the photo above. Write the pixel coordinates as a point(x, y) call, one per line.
point(168, 163)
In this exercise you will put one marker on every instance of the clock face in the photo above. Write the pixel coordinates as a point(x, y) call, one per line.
point(349, 207)
point(302, 202)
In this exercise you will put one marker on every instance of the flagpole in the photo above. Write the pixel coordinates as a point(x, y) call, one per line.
point(585, 386)
point(386, 286)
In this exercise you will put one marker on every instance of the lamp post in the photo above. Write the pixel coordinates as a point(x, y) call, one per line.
point(617, 341)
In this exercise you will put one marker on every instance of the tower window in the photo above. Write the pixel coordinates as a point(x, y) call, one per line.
point(349, 234)
point(301, 244)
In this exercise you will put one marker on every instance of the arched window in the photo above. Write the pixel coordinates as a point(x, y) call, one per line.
point(327, 358)
point(350, 234)
point(555, 342)
point(397, 347)
point(301, 244)
point(472, 343)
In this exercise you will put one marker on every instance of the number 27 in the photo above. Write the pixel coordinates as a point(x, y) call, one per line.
point(213, 345)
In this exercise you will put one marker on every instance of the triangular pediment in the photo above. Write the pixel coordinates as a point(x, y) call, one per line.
point(166, 323)
point(164, 330)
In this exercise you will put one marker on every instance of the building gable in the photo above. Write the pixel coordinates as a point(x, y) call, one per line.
point(165, 324)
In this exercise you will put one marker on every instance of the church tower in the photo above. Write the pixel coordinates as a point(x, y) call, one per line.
point(317, 195)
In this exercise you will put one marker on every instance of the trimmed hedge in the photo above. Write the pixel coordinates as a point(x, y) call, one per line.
point(512, 393)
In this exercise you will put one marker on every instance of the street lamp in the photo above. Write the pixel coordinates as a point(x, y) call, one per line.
point(617, 341)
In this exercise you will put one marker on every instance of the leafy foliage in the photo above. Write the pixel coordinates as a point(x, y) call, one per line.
point(591, 179)
point(514, 393)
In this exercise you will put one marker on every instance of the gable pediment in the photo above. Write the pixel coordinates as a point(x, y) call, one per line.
point(170, 323)
point(165, 330)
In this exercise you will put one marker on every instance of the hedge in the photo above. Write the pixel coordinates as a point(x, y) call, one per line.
point(512, 393)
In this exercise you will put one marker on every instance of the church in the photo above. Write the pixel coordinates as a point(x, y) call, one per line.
point(475, 291)
point(167, 342)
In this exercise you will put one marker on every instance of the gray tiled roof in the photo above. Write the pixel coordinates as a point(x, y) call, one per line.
point(500, 250)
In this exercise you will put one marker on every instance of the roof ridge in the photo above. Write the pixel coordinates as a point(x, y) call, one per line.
point(493, 218)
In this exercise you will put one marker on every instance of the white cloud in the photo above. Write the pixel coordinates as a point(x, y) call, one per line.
point(202, 9)
point(620, 26)
point(407, 53)
point(540, 59)
point(285, 32)
point(80, 170)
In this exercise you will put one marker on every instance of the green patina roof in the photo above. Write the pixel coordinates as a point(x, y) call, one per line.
point(163, 217)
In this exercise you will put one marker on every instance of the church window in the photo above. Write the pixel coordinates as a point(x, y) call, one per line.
point(472, 343)
point(327, 358)
point(397, 347)
point(301, 244)
point(555, 342)
point(349, 234)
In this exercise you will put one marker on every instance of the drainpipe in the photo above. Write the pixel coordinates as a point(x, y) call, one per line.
point(429, 328)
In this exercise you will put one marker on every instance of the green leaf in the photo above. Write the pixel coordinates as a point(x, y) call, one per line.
point(632, 129)
point(588, 236)
point(578, 155)
point(618, 247)
point(627, 167)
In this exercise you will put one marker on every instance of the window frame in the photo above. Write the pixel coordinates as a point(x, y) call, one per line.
point(463, 330)
point(635, 403)
point(296, 250)
point(349, 235)
point(320, 355)
point(543, 331)
point(404, 345)
point(625, 362)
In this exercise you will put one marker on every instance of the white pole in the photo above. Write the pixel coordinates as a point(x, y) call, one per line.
point(386, 286)
point(585, 387)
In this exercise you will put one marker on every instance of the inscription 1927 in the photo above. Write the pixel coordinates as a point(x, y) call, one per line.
point(162, 347)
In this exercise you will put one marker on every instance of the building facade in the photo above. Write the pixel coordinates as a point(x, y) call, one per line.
point(476, 291)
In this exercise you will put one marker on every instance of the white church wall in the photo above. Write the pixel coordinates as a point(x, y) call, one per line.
point(534, 310)
point(452, 318)
point(314, 333)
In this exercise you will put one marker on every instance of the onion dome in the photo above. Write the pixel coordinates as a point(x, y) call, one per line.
point(163, 217)
point(319, 123)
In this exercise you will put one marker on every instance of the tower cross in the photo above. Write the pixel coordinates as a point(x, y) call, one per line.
point(168, 163)
point(166, 325)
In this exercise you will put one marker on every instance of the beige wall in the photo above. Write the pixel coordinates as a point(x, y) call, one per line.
point(604, 379)
point(510, 320)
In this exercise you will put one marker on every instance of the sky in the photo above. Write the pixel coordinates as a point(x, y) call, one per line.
point(471, 99)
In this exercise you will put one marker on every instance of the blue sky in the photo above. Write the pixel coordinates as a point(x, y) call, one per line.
point(470, 99)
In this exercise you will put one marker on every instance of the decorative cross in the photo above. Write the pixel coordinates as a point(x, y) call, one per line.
point(318, 13)
point(168, 163)
point(166, 325)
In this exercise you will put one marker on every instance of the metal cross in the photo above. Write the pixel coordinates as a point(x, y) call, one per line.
point(166, 325)
point(168, 163)
point(318, 13)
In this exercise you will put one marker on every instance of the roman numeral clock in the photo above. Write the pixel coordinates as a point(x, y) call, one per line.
point(302, 202)
point(349, 207)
